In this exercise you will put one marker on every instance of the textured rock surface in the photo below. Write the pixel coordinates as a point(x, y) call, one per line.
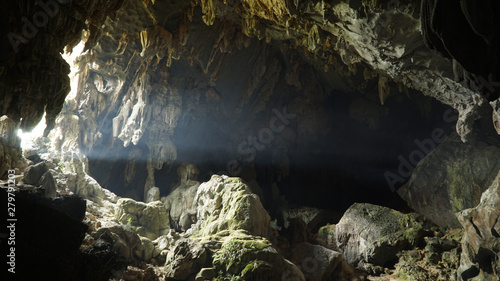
point(326, 237)
point(320, 263)
point(157, 90)
point(250, 258)
point(185, 259)
point(481, 240)
point(151, 219)
point(33, 76)
point(180, 201)
point(153, 195)
point(33, 173)
point(369, 234)
point(123, 238)
point(439, 260)
point(452, 178)
point(225, 203)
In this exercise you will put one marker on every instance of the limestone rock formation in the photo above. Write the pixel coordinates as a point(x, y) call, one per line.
point(151, 220)
point(185, 259)
point(452, 178)
point(153, 195)
point(438, 260)
point(32, 174)
point(180, 201)
point(369, 236)
point(320, 263)
point(225, 203)
point(481, 240)
point(326, 237)
point(10, 152)
point(123, 238)
point(251, 258)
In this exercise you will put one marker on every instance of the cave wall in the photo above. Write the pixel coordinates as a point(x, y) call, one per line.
point(161, 83)
point(152, 96)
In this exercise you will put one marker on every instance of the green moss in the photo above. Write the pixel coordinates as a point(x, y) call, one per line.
point(252, 267)
point(402, 276)
point(233, 256)
point(227, 277)
point(461, 187)
point(411, 228)
point(325, 230)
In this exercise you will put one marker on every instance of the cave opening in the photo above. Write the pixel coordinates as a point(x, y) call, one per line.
point(277, 132)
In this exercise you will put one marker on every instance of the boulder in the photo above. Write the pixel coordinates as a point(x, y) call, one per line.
point(153, 195)
point(319, 263)
point(451, 178)
point(48, 183)
point(185, 259)
point(480, 258)
point(122, 238)
point(225, 203)
point(147, 250)
point(165, 241)
point(314, 218)
point(372, 235)
point(326, 237)
point(8, 130)
point(34, 173)
point(75, 178)
point(437, 261)
point(150, 220)
point(180, 201)
point(181, 207)
point(248, 257)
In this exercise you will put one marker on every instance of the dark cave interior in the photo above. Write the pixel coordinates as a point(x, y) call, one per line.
point(361, 131)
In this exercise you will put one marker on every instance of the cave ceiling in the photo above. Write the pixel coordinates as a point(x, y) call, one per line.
point(163, 82)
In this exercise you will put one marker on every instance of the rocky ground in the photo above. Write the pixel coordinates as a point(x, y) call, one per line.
point(219, 230)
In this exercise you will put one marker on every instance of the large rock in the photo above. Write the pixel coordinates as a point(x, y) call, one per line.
point(248, 257)
point(314, 218)
point(372, 235)
point(48, 183)
point(33, 173)
point(319, 263)
point(225, 203)
point(180, 202)
point(326, 237)
point(75, 176)
point(10, 151)
point(480, 259)
point(151, 219)
point(153, 194)
point(122, 238)
point(451, 178)
point(185, 259)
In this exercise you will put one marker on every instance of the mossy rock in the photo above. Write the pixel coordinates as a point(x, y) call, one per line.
point(247, 257)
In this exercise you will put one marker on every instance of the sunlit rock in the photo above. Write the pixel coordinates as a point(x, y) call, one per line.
point(225, 203)
point(185, 259)
point(180, 202)
point(153, 195)
point(150, 220)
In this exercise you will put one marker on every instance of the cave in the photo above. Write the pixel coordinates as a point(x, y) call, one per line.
point(250, 140)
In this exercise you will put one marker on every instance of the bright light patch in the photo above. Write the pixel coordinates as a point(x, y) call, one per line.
point(71, 59)
point(27, 139)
